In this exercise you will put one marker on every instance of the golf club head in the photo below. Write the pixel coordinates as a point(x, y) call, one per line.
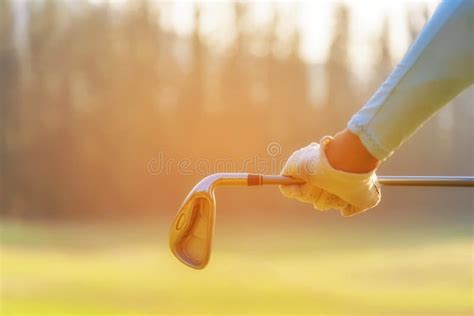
point(192, 232)
point(193, 229)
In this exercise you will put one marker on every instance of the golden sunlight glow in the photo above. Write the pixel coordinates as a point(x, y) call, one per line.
point(313, 18)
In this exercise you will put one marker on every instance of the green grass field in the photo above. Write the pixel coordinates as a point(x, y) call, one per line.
point(59, 269)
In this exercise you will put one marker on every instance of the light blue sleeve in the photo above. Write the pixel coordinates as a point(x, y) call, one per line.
point(437, 67)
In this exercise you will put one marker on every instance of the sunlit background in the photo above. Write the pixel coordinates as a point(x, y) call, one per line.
point(112, 110)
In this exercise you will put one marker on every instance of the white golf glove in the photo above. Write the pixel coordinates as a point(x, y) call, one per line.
point(328, 188)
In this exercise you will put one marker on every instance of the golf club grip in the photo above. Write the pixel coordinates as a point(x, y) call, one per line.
point(424, 181)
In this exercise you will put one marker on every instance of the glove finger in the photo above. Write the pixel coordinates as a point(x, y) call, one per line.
point(328, 201)
point(291, 191)
point(309, 193)
point(312, 193)
point(301, 192)
point(373, 199)
point(351, 210)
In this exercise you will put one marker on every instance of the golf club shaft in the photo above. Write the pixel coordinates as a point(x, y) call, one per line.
point(424, 181)
point(427, 181)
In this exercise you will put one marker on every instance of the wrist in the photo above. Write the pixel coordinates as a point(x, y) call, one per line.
point(345, 152)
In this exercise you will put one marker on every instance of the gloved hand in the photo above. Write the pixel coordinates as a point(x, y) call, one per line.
point(328, 188)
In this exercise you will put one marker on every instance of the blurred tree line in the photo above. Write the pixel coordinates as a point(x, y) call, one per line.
point(94, 93)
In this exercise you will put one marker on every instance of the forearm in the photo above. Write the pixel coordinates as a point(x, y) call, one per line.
point(437, 67)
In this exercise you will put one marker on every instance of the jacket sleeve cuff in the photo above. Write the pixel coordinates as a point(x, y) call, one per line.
point(369, 139)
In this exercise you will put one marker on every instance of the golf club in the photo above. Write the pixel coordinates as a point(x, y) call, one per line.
point(192, 231)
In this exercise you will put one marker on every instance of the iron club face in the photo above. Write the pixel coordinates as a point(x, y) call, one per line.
point(193, 229)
